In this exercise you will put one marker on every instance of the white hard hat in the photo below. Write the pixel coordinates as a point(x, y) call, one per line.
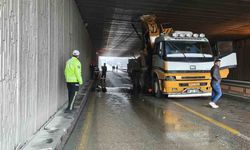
point(76, 53)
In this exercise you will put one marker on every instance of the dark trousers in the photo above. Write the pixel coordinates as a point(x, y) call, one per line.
point(104, 75)
point(72, 92)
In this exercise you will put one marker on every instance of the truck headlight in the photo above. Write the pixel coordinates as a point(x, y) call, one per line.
point(175, 35)
point(170, 78)
point(195, 35)
point(189, 35)
point(182, 35)
point(202, 35)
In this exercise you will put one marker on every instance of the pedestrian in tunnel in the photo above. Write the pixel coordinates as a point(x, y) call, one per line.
point(102, 81)
point(104, 70)
point(215, 84)
point(73, 77)
point(116, 68)
point(92, 71)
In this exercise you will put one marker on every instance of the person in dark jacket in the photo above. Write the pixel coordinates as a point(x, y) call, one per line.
point(92, 71)
point(104, 71)
point(215, 84)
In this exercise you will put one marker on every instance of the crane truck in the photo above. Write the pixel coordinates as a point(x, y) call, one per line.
point(174, 63)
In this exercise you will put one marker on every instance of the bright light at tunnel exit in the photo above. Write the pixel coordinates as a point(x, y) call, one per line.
point(121, 62)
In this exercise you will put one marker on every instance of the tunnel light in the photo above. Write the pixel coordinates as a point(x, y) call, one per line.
point(195, 35)
point(202, 35)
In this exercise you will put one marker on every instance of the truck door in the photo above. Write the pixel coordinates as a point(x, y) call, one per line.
point(158, 56)
point(225, 53)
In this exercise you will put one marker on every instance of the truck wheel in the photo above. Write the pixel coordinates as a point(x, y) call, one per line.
point(136, 87)
point(157, 91)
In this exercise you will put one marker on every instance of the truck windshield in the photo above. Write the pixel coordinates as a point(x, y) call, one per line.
point(197, 47)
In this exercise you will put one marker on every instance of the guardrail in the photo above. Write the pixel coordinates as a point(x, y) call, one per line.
point(236, 82)
point(236, 87)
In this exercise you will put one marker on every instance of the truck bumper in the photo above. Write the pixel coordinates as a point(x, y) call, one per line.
point(179, 95)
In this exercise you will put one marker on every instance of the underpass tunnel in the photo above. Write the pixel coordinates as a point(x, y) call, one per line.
point(37, 37)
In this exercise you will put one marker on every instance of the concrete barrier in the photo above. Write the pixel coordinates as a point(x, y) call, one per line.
point(36, 39)
point(236, 88)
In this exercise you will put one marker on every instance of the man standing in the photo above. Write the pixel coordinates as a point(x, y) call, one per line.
point(116, 68)
point(104, 71)
point(103, 78)
point(73, 75)
point(215, 83)
point(92, 71)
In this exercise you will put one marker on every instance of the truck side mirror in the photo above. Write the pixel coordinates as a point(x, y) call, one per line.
point(160, 53)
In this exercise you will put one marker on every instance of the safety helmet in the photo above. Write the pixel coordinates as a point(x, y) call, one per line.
point(76, 53)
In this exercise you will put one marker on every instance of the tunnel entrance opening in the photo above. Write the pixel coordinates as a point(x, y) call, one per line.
point(113, 63)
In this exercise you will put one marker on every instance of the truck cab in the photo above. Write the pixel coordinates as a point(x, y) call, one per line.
point(181, 64)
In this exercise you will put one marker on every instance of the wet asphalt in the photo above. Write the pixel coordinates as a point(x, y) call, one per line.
point(115, 120)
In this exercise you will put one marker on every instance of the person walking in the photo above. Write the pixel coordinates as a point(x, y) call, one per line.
point(215, 84)
point(73, 75)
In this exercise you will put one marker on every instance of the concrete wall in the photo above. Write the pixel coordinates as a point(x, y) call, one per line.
point(36, 39)
point(242, 72)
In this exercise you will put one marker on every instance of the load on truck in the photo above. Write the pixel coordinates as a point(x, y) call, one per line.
point(174, 63)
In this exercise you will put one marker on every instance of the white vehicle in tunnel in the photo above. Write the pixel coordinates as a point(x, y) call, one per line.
point(175, 63)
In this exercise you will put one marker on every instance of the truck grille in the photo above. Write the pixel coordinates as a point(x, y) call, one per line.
point(193, 84)
point(193, 77)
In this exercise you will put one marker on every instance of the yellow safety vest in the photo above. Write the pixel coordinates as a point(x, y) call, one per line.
point(73, 71)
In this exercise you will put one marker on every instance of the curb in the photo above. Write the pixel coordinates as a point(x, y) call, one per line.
point(83, 103)
point(56, 131)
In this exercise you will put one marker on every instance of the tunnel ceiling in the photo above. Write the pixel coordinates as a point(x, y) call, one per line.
point(109, 21)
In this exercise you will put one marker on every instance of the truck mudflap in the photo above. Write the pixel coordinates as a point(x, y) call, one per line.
point(182, 95)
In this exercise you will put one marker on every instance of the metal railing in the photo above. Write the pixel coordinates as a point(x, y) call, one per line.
point(237, 83)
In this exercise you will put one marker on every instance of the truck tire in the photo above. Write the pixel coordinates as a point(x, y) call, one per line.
point(136, 87)
point(157, 92)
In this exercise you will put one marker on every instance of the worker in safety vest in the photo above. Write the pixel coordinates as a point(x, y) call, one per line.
point(73, 77)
